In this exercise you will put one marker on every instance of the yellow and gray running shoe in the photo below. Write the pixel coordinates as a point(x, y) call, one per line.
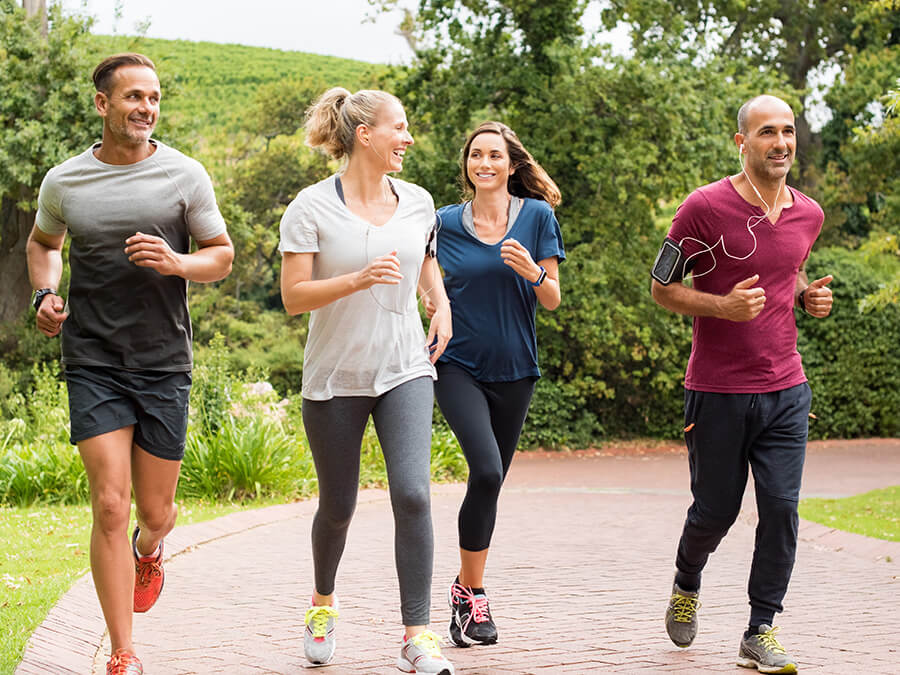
point(318, 638)
point(763, 652)
point(681, 616)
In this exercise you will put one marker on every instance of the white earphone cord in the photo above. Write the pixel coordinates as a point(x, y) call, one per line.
point(721, 240)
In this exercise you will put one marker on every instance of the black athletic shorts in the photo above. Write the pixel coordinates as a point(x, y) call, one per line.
point(155, 402)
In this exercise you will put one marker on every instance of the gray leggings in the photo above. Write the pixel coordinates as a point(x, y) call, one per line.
point(335, 429)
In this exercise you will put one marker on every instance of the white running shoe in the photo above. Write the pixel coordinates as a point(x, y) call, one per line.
point(422, 654)
point(318, 638)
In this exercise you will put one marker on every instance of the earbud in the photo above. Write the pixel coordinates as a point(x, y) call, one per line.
point(741, 149)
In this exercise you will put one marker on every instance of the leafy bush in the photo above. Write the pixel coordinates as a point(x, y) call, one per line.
point(245, 459)
point(851, 358)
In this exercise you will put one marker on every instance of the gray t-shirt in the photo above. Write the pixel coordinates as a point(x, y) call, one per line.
point(371, 341)
point(122, 315)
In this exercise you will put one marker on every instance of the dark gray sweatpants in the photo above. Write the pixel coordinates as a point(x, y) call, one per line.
point(335, 429)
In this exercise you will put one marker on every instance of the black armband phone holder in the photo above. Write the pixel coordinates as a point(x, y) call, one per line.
point(669, 263)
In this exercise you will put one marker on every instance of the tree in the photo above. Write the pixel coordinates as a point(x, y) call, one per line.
point(46, 116)
point(620, 136)
point(794, 37)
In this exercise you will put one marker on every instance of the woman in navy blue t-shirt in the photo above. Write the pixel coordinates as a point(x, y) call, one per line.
point(500, 254)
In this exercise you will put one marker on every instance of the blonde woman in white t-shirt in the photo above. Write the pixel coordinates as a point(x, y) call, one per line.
point(356, 246)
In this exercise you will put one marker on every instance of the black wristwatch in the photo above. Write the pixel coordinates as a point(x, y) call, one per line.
point(541, 277)
point(39, 295)
point(801, 301)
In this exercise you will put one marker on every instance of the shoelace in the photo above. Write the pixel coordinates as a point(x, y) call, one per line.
point(122, 663)
point(428, 641)
point(461, 593)
point(481, 611)
point(318, 617)
point(684, 608)
point(769, 642)
point(148, 570)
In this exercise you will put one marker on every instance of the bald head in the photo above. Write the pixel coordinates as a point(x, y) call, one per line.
point(764, 103)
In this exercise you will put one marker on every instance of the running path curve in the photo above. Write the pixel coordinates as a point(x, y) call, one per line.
point(579, 576)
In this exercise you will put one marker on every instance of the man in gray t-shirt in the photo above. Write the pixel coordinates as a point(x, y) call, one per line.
point(131, 206)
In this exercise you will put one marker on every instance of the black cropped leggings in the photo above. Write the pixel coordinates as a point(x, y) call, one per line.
point(487, 418)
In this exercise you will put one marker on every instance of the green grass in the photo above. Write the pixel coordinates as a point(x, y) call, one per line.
point(45, 551)
point(212, 86)
point(874, 514)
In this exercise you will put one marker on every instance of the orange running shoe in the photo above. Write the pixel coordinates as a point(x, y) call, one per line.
point(124, 663)
point(149, 576)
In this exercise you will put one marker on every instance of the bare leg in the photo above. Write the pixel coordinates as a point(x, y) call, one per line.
point(471, 570)
point(107, 462)
point(154, 481)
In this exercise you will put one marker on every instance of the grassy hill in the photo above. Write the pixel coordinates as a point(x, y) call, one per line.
point(212, 88)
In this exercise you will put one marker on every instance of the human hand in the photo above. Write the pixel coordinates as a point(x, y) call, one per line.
point(50, 315)
point(147, 250)
point(429, 306)
point(517, 256)
point(744, 302)
point(385, 269)
point(817, 297)
point(440, 330)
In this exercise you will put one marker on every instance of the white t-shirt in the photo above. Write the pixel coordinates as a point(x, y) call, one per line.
point(371, 341)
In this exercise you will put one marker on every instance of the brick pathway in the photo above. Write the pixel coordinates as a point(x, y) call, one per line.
point(579, 576)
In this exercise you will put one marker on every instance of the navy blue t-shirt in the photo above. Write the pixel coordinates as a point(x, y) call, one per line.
point(493, 307)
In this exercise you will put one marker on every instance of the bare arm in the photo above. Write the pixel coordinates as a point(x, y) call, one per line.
point(301, 293)
point(434, 296)
point(549, 293)
point(743, 303)
point(210, 262)
point(43, 253)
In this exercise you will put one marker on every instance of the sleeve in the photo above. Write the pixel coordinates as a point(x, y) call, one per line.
point(299, 229)
point(49, 217)
point(431, 241)
point(203, 217)
point(550, 241)
point(690, 225)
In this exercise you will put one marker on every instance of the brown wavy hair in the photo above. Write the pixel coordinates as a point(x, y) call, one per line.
point(529, 180)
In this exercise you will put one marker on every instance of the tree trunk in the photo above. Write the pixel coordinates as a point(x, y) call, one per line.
point(39, 8)
point(15, 226)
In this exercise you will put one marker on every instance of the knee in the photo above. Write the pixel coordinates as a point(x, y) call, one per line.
point(158, 518)
point(777, 508)
point(336, 514)
point(112, 511)
point(412, 503)
point(486, 482)
point(712, 521)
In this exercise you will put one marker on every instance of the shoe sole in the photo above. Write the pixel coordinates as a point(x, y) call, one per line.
point(789, 669)
point(407, 667)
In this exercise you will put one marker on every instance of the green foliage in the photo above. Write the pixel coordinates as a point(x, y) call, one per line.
point(873, 514)
point(37, 463)
point(218, 85)
point(46, 109)
point(851, 357)
point(244, 460)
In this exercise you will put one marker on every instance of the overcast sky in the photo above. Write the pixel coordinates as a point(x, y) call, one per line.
point(334, 27)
